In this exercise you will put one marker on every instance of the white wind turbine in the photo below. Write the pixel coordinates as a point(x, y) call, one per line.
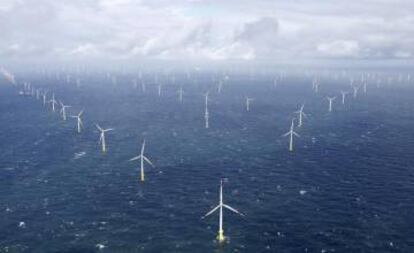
point(142, 158)
point(53, 101)
point(290, 134)
point(220, 236)
point(301, 115)
point(159, 89)
point(102, 137)
point(206, 116)
point(344, 93)
point(315, 85)
point(44, 95)
point(330, 99)
point(219, 87)
point(63, 109)
point(355, 89)
point(248, 100)
point(79, 120)
point(180, 94)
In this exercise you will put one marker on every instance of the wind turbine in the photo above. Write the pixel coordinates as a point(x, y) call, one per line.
point(44, 97)
point(219, 87)
point(180, 94)
point(159, 89)
point(248, 100)
point(344, 93)
point(315, 85)
point(290, 134)
point(330, 99)
point(355, 93)
point(53, 101)
point(102, 137)
point(206, 116)
point(301, 115)
point(220, 235)
point(79, 120)
point(63, 110)
point(142, 158)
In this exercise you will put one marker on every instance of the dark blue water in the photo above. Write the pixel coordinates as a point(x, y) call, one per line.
point(347, 187)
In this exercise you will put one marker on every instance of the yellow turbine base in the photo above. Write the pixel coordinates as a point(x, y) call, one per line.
point(220, 236)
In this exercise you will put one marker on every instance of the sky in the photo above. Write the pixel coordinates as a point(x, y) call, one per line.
point(210, 30)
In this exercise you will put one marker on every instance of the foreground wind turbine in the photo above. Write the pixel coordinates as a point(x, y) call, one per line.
point(63, 110)
point(220, 235)
point(330, 99)
point(142, 158)
point(248, 100)
point(78, 118)
point(290, 134)
point(53, 101)
point(102, 137)
point(344, 93)
point(301, 115)
point(206, 116)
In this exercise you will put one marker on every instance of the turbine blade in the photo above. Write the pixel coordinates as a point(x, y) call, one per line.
point(232, 209)
point(100, 129)
point(135, 158)
point(286, 134)
point(148, 161)
point(212, 211)
point(297, 135)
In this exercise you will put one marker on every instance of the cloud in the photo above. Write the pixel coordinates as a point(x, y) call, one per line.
point(206, 29)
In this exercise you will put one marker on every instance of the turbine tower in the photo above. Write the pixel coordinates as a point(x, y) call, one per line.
point(63, 110)
point(301, 115)
point(53, 101)
point(355, 89)
point(220, 236)
point(159, 90)
point(290, 134)
point(180, 94)
point(248, 100)
point(102, 137)
point(44, 95)
point(344, 93)
point(330, 99)
point(142, 158)
point(79, 120)
point(206, 116)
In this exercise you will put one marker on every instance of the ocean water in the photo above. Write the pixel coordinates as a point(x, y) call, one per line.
point(347, 187)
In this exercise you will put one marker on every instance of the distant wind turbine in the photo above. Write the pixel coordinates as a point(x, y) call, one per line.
point(180, 94)
point(248, 100)
point(301, 115)
point(330, 99)
point(159, 89)
point(142, 158)
point(53, 101)
point(355, 89)
point(220, 236)
point(344, 93)
point(44, 95)
point(63, 110)
point(79, 120)
point(102, 137)
point(206, 116)
point(290, 134)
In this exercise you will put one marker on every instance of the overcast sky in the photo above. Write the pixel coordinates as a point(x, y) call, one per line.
point(206, 30)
